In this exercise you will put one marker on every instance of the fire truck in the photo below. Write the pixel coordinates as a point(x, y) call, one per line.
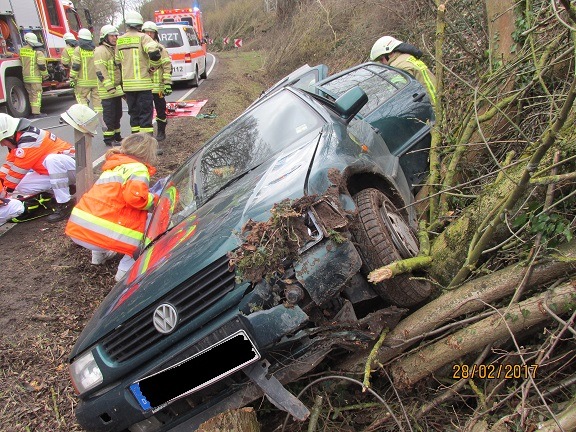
point(49, 20)
point(190, 16)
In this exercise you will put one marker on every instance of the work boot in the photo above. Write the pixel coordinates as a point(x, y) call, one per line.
point(118, 138)
point(159, 151)
point(62, 211)
point(100, 257)
point(161, 134)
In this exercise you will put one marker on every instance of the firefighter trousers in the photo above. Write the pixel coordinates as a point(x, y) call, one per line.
point(111, 115)
point(34, 96)
point(84, 95)
point(140, 110)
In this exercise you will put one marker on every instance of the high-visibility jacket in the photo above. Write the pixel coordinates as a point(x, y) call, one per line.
point(418, 69)
point(33, 64)
point(112, 214)
point(107, 72)
point(33, 146)
point(66, 58)
point(162, 75)
point(133, 50)
point(82, 69)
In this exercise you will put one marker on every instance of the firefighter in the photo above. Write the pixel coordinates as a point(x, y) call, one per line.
point(403, 55)
point(34, 71)
point(138, 54)
point(83, 73)
point(112, 215)
point(71, 43)
point(109, 84)
point(37, 161)
point(162, 79)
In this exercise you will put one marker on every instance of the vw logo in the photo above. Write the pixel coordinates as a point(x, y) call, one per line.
point(165, 318)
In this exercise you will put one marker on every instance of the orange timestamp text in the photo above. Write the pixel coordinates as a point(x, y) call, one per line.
point(494, 371)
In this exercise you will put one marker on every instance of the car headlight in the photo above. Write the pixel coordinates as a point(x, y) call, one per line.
point(85, 373)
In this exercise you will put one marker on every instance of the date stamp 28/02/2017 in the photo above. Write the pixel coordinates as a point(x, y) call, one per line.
point(494, 371)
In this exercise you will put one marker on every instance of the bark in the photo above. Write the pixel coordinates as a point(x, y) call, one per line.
point(506, 323)
point(566, 420)
point(500, 28)
point(239, 420)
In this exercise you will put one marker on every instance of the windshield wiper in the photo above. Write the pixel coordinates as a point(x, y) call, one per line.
point(229, 182)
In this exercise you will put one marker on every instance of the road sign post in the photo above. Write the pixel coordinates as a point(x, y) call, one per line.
point(84, 172)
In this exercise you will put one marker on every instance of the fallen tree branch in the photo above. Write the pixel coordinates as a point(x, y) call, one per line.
point(412, 368)
point(398, 267)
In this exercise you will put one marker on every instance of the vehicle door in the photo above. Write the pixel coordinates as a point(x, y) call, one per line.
point(398, 107)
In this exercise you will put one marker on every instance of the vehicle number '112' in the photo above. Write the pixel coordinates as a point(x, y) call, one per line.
point(177, 69)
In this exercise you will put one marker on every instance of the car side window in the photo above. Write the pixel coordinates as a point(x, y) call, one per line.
point(379, 84)
point(192, 39)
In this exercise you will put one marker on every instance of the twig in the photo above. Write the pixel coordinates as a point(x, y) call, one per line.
point(370, 359)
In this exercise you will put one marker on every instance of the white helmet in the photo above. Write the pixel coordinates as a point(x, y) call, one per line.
point(82, 118)
point(133, 18)
point(8, 125)
point(149, 26)
point(108, 29)
point(384, 45)
point(69, 37)
point(31, 38)
point(85, 34)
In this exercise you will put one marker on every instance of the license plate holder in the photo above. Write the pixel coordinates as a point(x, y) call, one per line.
point(229, 355)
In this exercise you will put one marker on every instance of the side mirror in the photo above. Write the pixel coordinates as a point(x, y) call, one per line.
point(350, 103)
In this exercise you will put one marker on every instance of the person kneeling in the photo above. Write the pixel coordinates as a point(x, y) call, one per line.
point(111, 217)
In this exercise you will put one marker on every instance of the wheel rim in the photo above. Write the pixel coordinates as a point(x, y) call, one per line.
point(17, 99)
point(402, 235)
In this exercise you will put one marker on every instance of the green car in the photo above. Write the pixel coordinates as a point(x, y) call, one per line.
point(193, 329)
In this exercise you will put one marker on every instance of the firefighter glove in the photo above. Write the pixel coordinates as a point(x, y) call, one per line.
point(72, 83)
point(45, 77)
point(167, 89)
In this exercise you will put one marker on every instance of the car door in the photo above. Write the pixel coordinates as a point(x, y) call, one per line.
point(398, 106)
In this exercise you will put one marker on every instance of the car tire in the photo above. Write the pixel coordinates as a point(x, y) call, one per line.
point(204, 74)
point(17, 102)
point(382, 236)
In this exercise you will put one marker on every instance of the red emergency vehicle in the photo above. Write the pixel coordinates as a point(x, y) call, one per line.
point(49, 20)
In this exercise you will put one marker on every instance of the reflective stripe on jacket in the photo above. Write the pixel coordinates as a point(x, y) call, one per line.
point(132, 50)
point(112, 214)
point(418, 69)
point(82, 69)
point(33, 146)
point(66, 58)
point(107, 71)
point(163, 74)
point(33, 61)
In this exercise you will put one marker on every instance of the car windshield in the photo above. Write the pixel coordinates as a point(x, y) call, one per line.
point(244, 145)
point(170, 37)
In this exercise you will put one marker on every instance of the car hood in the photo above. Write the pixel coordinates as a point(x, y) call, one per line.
point(202, 238)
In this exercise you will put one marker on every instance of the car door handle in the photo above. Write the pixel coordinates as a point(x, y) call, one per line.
point(418, 96)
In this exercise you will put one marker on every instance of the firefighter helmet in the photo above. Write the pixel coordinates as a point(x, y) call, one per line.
point(10, 125)
point(108, 29)
point(31, 38)
point(82, 118)
point(384, 45)
point(133, 19)
point(85, 34)
point(69, 37)
point(150, 26)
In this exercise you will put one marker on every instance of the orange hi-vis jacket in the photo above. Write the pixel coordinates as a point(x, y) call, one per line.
point(112, 214)
point(33, 146)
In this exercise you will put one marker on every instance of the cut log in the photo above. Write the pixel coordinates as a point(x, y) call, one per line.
point(238, 420)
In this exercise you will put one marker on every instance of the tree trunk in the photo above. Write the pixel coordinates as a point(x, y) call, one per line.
point(238, 420)
point(507, 322)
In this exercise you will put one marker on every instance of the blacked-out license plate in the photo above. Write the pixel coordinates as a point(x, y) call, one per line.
point(206, 367)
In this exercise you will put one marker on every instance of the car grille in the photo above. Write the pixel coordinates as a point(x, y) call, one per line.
point(190, 299)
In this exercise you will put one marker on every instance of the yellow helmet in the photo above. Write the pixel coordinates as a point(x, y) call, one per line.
point(149, 26)
point(82, 118)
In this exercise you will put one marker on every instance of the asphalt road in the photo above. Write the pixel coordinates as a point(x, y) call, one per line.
point(56, 105)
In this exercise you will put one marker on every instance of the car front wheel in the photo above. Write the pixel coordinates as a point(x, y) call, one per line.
point(383, 236)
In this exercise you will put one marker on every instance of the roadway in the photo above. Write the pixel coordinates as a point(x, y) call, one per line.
point(54, 106)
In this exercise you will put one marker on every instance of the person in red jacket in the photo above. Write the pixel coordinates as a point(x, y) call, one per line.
point(111, 217)
point(37, 161)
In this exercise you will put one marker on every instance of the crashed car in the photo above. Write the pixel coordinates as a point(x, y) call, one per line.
point(186, 335)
